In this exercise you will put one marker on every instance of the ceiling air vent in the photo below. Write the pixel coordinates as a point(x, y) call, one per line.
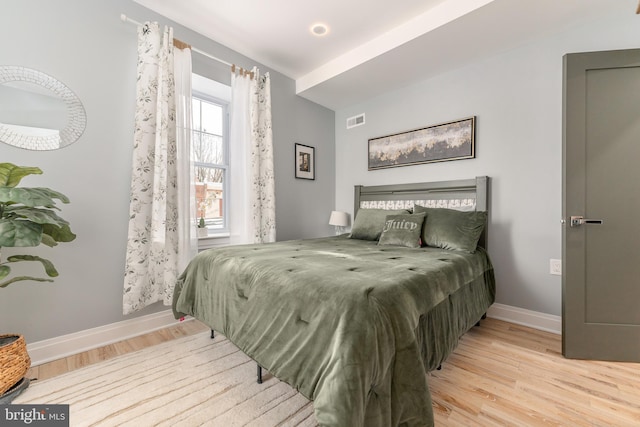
point(355, 121)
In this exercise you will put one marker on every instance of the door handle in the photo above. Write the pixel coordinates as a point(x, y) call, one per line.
point(577, 221)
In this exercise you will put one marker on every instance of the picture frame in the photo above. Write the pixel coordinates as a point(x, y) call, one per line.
point(438, 143)
point(305, 162)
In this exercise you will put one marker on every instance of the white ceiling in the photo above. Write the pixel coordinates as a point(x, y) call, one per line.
point(374, 46)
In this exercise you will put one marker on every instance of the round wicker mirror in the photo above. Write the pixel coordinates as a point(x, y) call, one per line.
point(38, 112)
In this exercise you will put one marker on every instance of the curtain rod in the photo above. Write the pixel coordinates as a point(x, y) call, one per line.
point(125, 18)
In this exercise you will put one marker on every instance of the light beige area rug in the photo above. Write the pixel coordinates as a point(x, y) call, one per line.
point(190, 381)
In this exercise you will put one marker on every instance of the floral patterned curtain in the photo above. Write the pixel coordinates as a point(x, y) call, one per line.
point(155, 247)
point(251, 151)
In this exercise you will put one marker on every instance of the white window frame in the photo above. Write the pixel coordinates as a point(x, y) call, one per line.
point(223, 232)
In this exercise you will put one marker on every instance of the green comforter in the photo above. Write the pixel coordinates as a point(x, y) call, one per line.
point(335, 317)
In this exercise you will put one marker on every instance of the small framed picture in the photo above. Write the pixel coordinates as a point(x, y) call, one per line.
point(305, 162)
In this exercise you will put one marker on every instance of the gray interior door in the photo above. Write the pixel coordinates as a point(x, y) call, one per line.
point(601, 182)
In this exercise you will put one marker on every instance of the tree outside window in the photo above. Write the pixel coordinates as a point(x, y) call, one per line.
point(210, 154)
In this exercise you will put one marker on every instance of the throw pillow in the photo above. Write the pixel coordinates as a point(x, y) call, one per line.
point(369, 222)
point(402, 230)
point(452, 229)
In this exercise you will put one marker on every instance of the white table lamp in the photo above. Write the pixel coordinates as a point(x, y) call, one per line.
point(340, 220)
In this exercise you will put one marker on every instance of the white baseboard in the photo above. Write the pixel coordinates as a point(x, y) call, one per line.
point(67, 345)
point(55, 348)
point(521, 316)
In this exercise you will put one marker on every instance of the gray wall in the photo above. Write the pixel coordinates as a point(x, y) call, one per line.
point(517, 98)
point(86, 46)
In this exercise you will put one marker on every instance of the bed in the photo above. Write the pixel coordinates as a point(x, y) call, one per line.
point(354, 322)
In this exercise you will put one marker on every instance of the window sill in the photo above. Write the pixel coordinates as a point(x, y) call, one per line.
point(213, 240)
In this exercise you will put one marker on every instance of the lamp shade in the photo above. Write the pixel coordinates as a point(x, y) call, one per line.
point(339, 219)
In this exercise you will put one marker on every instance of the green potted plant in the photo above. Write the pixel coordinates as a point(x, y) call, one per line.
point(202, 228)
point(27, 218)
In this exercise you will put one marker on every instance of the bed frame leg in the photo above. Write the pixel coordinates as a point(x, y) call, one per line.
point(484, 316)
point(259, 370)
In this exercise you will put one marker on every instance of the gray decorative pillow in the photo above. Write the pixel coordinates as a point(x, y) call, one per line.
point(402, 230)
point(452, 229)
point(369, 222)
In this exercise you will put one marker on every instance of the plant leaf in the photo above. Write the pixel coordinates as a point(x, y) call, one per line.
point(48, 265)
point(15, 232)
point(32, 197)
point(16, 279)
point(37, 215)
point(4, 271)
point(48, 240)
point(59, 234)
point(10, 174)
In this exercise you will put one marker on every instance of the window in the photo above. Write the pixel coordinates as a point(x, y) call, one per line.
point(210, 142)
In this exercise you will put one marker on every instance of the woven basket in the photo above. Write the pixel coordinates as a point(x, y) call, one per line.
point(14, 360)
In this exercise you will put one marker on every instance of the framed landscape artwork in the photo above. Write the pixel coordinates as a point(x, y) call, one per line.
point(305, 162)
point(438, 143)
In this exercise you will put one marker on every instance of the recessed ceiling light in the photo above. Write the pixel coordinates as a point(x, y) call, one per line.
point(319, 30)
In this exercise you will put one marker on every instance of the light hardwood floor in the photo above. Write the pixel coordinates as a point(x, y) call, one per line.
point(505, 374)
point(501, 374)
point(61, 366)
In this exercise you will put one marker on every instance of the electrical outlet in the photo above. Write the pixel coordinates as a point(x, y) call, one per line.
point(555, 267)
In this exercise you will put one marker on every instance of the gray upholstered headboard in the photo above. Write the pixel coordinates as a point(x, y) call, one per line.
point(464, 194)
